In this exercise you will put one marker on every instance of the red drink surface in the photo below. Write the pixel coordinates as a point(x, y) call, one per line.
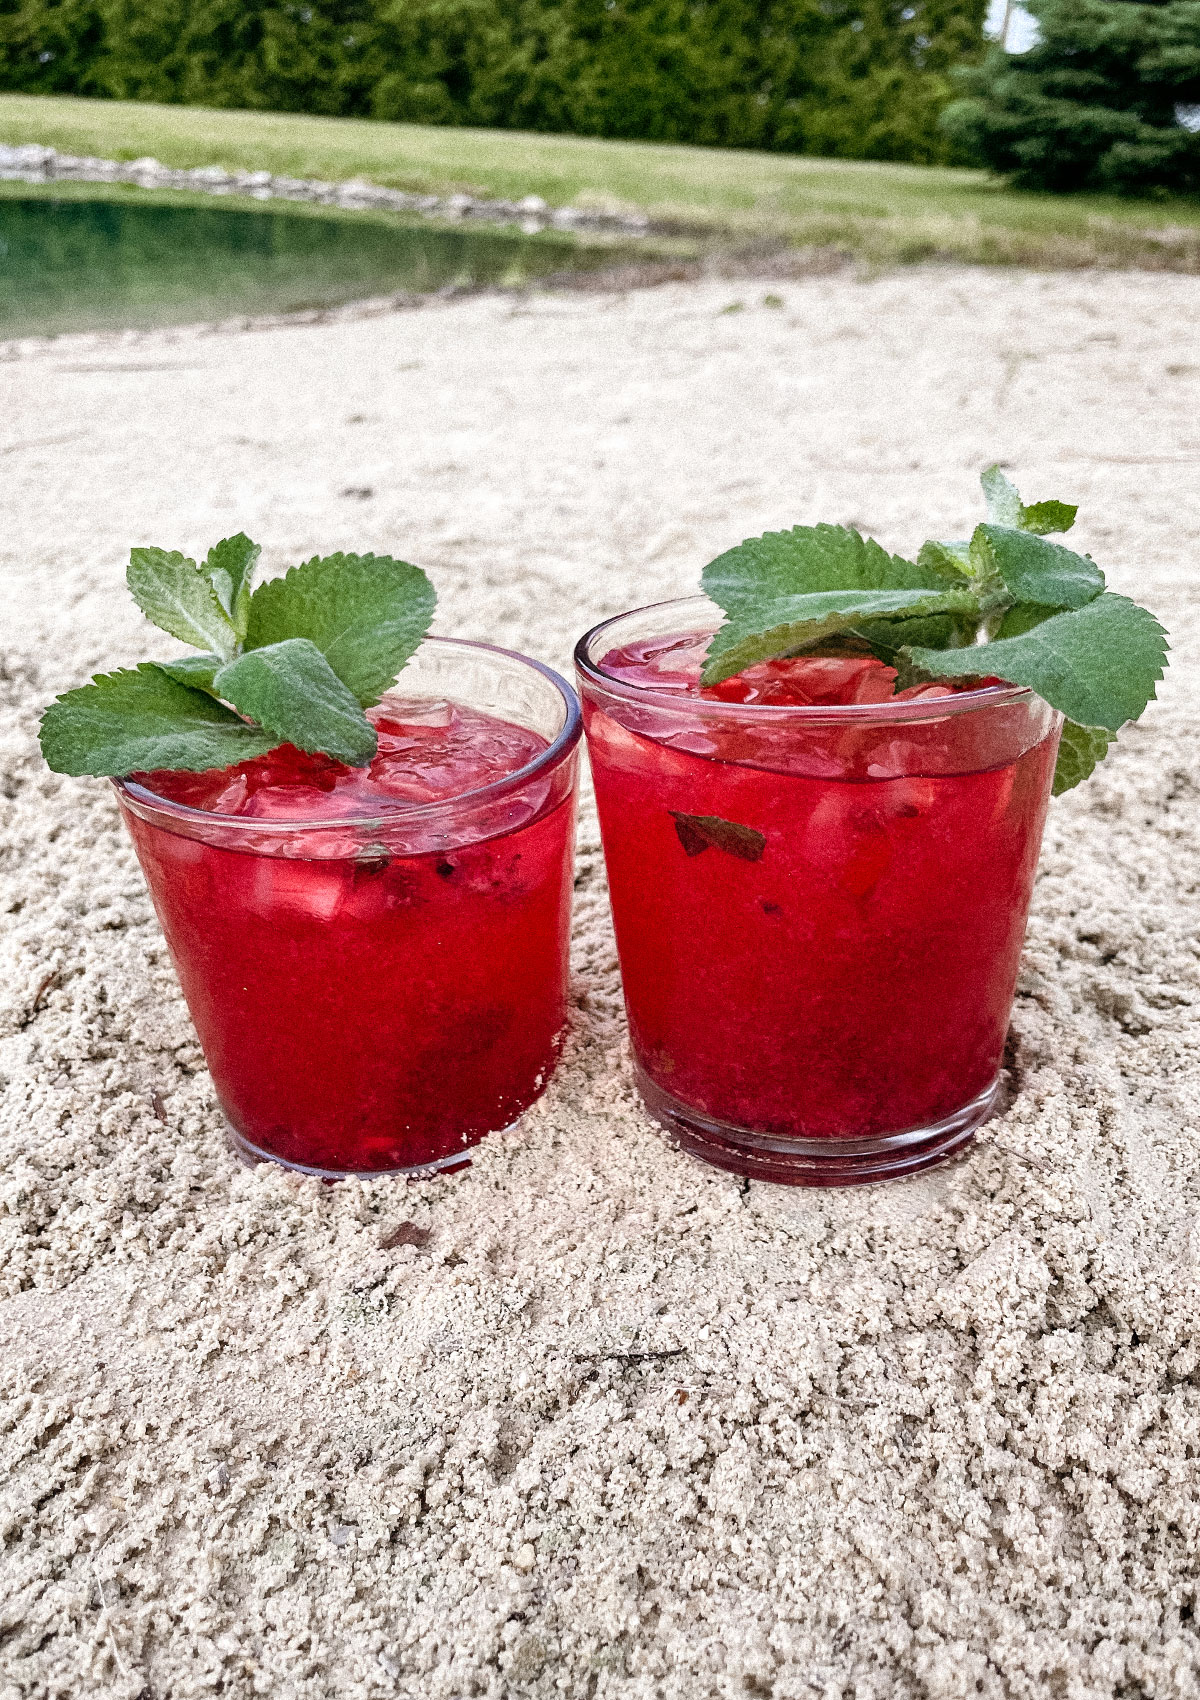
point(363, 1006)
point(854, 978)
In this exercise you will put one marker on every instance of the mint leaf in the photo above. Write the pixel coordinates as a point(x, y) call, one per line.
point(812, 558)
point(365, 613)
point(1003, 503)
point(230, 567)
point(1082, 747)
point(1033, 570)
point(698, 833)
point(196, 670)
point(290, 689)
point(1005, 507)
point(1097, 664)
point(782, 627)
point(1042, 517)
point(174, 593)
point(139, 719)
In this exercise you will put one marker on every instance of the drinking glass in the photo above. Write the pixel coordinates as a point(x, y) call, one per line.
point(379, 992)
point(819, 909)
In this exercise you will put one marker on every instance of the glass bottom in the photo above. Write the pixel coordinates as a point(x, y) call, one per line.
point(253, 1154)
point(814, 1162)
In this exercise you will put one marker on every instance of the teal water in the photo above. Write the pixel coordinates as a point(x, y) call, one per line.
point(76, 259)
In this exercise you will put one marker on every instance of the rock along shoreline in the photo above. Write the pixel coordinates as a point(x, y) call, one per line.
point(30, 162)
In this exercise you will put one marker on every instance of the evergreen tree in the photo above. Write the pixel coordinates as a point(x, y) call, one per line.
point(1093, 105)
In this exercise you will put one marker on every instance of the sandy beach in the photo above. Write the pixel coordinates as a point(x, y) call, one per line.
point(620, 1426)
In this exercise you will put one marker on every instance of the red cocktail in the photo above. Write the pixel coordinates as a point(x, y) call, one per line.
point(819, 890)
point(376, 958)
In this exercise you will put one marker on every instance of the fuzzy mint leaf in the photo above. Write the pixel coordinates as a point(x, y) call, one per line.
point(291, 690)
point(1079, 752)
point(139, 719)
point(698, 833)
point(1042, 517)
point(793, 623)
point(1004, 505)
point(1006, 508)
point(1033, 570)
point(813, 558)
point(174, 593)
point(230, 567)
point(1097, 664)
point(365, 613)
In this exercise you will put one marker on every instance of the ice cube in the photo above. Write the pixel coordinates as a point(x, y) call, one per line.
point(285, 886)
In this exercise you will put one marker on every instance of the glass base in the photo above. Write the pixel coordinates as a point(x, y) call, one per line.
point(814, 1162)
point(253, 1154)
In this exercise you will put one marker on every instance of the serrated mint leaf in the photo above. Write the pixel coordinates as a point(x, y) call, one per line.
point(698, 833)
point(290, 689)
point(806, 560)
point(1042, 517)
point(230, 567)
point(1005, 507)
point(366, 614)
point(1033, 570)
point(793, 623)
point(139, 719)
point(1082, 747)
point(199, 671)
point(1098, 664)
point(1003, 502)
point(174, 593)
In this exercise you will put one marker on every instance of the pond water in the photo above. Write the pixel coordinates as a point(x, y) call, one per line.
point(77, 260)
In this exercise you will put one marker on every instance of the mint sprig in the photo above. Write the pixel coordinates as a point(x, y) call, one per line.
point(295, 661)
point(1007, 604)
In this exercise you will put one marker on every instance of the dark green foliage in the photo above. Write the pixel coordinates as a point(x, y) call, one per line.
point(1092, 105)
point(862, 79)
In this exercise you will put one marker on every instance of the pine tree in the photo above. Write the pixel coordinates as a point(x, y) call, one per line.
point(1094, 104)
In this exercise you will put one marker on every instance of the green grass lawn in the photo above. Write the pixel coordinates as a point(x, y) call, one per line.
point(884, 213)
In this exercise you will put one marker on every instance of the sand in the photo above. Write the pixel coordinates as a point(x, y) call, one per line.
point(934, 1438)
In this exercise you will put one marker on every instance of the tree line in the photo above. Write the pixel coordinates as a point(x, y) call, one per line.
point(856, 79)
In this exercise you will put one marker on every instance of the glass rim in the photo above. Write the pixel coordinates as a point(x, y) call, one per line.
point(146, 801)
point(920, 708)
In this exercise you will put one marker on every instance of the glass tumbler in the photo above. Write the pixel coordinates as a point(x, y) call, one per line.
point(377, 994)
point(819, 910)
